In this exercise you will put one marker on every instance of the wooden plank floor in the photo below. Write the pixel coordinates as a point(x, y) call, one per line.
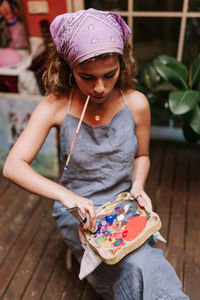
point(32, 253)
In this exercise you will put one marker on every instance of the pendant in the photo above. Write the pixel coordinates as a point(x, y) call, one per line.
point(97, 118)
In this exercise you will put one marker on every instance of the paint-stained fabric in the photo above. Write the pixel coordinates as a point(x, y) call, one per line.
point(99, 169)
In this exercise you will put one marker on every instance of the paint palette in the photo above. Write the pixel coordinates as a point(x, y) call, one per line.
point(122, 226)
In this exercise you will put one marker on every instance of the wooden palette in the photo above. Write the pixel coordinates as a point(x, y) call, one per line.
point(122, 227)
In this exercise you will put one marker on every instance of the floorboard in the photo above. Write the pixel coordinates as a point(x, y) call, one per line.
point(32, 252)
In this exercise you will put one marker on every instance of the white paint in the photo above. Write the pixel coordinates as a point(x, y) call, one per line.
point(120, 218)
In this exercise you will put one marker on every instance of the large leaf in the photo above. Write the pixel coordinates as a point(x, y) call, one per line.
point(170, 74)
point(181, 102)
point(189, 134)
point(153, 75)
point(196, 72)
point(165, 87)
point(149, 75)
point(195, 120)
point(176, 65)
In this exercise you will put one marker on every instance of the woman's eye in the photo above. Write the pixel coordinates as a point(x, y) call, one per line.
point(106, 76)
point(109, 75)
point(86, 78)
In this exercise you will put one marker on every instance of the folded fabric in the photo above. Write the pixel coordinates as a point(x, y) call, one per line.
point(158, 236)
point(90, 259)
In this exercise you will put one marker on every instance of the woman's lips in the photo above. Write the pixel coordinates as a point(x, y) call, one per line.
point(98, 97)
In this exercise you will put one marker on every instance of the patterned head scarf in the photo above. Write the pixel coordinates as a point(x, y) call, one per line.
point(87, 33)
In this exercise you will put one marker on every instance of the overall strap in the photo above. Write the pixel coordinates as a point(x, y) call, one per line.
point(69, 102)
point(125, 101)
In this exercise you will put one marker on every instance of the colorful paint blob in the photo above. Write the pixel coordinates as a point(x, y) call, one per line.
point(121, 226)
point(134, 227)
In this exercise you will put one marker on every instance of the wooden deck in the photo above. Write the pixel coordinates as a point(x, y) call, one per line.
point(32, 253)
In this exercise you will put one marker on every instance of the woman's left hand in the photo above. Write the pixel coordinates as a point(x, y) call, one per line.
point(142, 198)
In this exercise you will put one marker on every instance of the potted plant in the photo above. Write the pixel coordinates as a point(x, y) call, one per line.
point(173, 91)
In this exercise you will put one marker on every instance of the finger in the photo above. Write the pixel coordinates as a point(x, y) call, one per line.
point(144, 201)
point(148, 207)
point(89, 225)
point(86, 222)
point(92, 216)
point(82, 212)
point(140, 200)
point(88, 215)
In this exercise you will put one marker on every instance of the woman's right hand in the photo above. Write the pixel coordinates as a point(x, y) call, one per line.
point(86, 211)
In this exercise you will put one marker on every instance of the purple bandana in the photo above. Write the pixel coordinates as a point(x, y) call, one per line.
point(87, 33)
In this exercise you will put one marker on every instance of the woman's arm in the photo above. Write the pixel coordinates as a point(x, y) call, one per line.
point(140, 108)
point(17, 166)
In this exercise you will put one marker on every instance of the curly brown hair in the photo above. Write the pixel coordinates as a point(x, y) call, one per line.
point(57, 79)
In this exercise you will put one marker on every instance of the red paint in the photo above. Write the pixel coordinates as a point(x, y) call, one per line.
point(134, 227)
point(124, 233)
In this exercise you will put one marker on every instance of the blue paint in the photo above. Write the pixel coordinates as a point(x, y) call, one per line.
point(99, 228)
point(110, 219)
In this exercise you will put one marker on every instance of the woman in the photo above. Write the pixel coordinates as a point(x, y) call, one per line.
point(111, 153)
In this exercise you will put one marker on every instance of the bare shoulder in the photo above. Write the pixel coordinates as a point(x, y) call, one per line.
point(137, 101)
point(139, 106)
point(52, 109)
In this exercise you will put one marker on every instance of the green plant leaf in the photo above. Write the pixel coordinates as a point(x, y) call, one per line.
point(164, 86)
point(196, 72)
point(195, 120)
point(189, 134)
point(175, 65)
point(153, 75)
point(181, 102)
point(148, 75)
point(170, 74)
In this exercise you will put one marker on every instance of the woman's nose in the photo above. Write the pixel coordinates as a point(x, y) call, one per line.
point(99, 86)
